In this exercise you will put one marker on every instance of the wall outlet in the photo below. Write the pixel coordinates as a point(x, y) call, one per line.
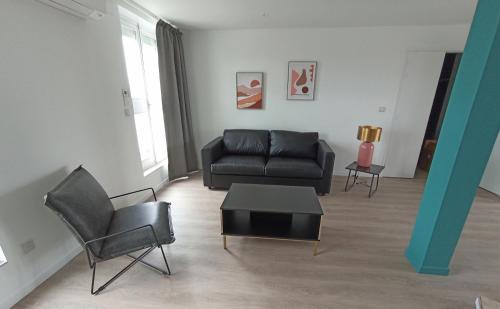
point(28, 246)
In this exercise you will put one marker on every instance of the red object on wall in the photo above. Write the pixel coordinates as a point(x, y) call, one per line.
point(365, 154)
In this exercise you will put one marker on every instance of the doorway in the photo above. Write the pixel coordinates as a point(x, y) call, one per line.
point(438, 110)
point(415, 97)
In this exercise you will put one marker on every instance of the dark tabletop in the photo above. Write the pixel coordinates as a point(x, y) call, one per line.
point(373, 169)
point(272, 198)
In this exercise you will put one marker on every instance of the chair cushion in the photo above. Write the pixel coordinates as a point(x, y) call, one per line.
point(293, 168)
point(294, 144)
point(81, 201)
point(246, 142)
point(239, 165)
point(155, 213)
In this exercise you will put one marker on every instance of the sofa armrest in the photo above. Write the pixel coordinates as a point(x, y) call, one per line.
point(326, 158)
point(209, 154)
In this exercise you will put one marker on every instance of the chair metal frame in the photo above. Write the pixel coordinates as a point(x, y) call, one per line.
point(93, 259)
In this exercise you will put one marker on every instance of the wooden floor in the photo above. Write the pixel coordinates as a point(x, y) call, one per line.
point(360, 262)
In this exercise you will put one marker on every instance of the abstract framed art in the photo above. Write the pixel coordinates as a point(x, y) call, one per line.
point(249, 92)
point(301, 80)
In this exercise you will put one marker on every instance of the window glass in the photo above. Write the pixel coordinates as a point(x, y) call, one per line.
point(141, 59)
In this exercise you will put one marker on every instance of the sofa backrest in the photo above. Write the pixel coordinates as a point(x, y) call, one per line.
point(294, 144)
point(246, 142)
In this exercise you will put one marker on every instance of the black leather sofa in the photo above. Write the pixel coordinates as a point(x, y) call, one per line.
point(268, 157)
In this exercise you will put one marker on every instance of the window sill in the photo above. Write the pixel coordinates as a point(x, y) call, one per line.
point(154, 168)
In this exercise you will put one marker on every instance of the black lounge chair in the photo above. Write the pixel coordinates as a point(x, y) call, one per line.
point(106, 233)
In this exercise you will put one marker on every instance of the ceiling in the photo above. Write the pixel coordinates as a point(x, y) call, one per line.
point(240, 14)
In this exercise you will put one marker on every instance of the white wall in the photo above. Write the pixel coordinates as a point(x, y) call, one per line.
point(413, 107)
point(491, 177)
point(60, 82)
point(359, 69)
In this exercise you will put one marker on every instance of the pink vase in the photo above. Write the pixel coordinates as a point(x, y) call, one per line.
point(365, 154)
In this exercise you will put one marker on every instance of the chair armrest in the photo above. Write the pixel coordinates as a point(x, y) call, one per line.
point(209, 154)
point(88, 243)
point(326, 157)
point(152, 190)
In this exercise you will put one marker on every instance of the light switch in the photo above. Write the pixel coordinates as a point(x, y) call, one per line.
point(126, 102)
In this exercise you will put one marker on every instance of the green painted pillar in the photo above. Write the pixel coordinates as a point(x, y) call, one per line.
point(468, 134)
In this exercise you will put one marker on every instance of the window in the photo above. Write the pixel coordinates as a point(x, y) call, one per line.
point(141, 58)
point(3, 259)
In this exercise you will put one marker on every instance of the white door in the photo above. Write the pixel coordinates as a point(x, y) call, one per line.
point(416, 94)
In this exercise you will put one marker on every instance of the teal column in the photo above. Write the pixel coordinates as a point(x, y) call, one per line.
point(469, 131)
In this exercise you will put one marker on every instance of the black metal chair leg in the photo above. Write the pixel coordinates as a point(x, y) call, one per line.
point(121, 272)
point(153, 267)
point(156, 268)
point(165, 259)
point(93, 266)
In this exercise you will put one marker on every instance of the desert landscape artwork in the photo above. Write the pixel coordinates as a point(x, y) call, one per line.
point(249, 90)
point(301, 80)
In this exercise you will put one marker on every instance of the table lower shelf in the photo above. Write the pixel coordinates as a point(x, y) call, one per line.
point(303, 227)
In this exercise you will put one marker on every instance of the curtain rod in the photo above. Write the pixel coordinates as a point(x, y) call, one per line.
point(146, 11)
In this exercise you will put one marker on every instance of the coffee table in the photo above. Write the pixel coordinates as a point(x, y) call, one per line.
point(271, 211)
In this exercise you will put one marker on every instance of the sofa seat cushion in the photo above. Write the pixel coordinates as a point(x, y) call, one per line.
point(293, 168)
point(155, 213)
point(294, 144)
point(239, 165)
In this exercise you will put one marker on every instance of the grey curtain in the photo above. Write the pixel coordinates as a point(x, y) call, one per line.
point(182, 157)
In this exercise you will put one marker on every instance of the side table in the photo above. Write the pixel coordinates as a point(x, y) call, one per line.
point(374, 170)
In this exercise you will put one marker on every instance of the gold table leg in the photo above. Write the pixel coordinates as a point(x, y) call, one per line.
point(316, 243)
point(315, 248)
point(224, 241)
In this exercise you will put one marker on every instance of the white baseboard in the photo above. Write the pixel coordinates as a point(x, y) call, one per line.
point(40, 278)
point(340, 173)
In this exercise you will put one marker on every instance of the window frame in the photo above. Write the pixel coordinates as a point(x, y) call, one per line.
point(141, 31)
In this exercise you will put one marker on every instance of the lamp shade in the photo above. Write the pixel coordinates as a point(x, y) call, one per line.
point(369, 133)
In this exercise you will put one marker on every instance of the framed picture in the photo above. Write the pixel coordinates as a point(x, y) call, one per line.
point(301, 80)
point(249, 90)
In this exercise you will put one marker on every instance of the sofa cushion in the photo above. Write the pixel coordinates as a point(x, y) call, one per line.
point(246, 142)
point(239, 165)
point(294, 144)
point(293, 168)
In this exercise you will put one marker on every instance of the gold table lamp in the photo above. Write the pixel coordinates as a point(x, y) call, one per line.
point(368, 135)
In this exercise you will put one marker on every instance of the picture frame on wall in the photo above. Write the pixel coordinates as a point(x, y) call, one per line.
point(301, 80)
point(249, 90)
